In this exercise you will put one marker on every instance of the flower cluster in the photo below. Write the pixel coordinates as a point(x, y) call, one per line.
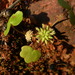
point(45, 34)
point(28, 35)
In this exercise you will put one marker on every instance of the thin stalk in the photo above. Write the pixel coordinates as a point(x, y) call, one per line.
point(57, 22)
point(18, 30)
point(11, 6)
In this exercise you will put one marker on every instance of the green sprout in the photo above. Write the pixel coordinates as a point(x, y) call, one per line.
point(14, 20)
point(45, 34)
point(29, 54)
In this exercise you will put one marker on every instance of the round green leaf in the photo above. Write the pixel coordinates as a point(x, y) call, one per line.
point(29, 54)
point(16, 18)
point(25, 50)
point(33, 56)
point(28, 58)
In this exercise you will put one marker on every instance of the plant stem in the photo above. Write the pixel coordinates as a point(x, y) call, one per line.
point(17, 30)
point(7, 10)
point(11, 6)
point(57, 22)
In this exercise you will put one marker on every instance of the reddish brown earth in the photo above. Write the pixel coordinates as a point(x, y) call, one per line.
point(57, 58)
point(5, 3)
point(53, 12)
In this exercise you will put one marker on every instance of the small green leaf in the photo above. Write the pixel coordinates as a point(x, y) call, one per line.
point(16, 18)
point(28, 58)
point(50, 37)
point(8, 29)
point(29, 54)
point(45, 41)
point(37, 29)
point(46, 38)
point(72, 17)
point(43, 26)
point(37, 36)
point(35, 55)
point(42, 39)
point(64, 4)
point(47, 27)
point(25, 50)
point(52, 33)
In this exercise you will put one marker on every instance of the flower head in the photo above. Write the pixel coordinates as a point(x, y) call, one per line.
point(45, 34)
point(28, 35)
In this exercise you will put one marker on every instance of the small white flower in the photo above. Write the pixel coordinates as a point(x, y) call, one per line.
point(28, 35)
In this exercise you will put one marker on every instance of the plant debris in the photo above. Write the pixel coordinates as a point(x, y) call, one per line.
point(57, 58)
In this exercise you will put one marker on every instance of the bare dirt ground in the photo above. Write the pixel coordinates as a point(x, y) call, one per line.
point(57, 58)
point(53, 12)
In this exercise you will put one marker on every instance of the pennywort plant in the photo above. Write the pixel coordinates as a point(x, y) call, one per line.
point(14, 20)
point(65, 5)
point(29, 54)
point(45, 34)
